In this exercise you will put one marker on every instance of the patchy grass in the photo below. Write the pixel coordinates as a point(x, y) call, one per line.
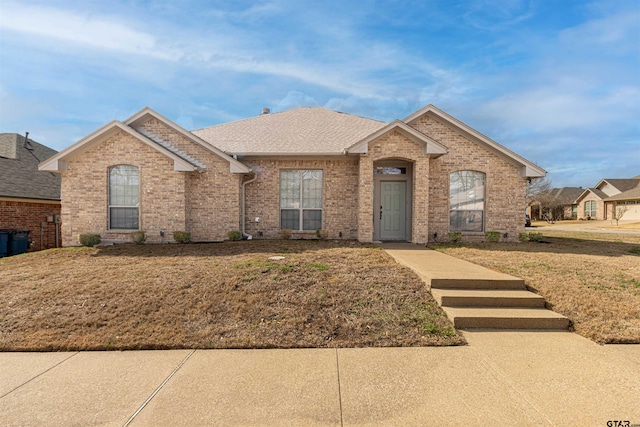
point(225, 295)
point(592, 278)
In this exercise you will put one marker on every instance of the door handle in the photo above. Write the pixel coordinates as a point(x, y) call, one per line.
point(380, 212)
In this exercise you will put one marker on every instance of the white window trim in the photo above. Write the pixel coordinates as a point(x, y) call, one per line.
point(301, 209)
point(109, 205)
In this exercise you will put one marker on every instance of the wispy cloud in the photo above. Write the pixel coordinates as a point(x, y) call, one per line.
point(536, 76)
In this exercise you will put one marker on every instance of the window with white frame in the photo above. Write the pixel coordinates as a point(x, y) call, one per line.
point(301, 199)
point(124, 198)
point(466, 201)
point(590, 208)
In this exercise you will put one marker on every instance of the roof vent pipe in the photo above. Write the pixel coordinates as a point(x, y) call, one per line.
point(266, 110)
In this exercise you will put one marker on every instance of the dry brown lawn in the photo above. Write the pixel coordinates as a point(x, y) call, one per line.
point(225, 295)
point(592, 278)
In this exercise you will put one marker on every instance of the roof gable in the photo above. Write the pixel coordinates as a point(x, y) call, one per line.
point(619, 184)
point(431, 146)
point(599, 194)
point(59, 162)
point(146, 113)
point(181, 161)
point(527, 168)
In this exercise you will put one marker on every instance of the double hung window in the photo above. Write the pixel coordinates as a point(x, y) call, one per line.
point(124, 198)
point(301, 199)
point(466, 201)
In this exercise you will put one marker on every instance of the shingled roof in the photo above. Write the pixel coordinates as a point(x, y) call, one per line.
point(306, 130)
point(19, 174)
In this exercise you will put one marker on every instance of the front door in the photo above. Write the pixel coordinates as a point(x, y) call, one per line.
point(393, 210)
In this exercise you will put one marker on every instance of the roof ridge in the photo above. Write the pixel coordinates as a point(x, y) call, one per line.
point(259, 116)
point(170, 147)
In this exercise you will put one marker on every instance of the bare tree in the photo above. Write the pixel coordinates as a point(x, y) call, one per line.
point(537, 193)
point(619, 212)
point(536, 186)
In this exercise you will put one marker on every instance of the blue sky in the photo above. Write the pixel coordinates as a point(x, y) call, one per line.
point(556, 81)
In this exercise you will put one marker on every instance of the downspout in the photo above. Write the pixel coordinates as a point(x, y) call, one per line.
point(244, 234)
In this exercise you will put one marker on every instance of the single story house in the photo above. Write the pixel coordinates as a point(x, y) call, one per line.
point(602, 201)
point(29, 198)
point(305, 169)
point(558, 202)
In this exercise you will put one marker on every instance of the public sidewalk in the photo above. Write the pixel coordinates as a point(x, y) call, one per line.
point(500, 378)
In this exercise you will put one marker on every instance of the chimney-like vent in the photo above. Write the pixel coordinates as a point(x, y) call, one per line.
point(266, 110)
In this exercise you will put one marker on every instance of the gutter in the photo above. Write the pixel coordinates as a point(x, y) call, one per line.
point(244, 233)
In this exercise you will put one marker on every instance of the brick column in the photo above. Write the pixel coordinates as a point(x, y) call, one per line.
point(420, 216)
point(365, 199)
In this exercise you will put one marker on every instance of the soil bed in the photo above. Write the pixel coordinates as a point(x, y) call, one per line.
point(224, 295)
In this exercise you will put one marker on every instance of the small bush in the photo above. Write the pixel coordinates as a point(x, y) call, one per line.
point(523, 237)
point(89, 239)
point(535, 237)
point(492, 236)
point(138, 237)
point(322, 233)
point(182, 236)
point(455, 237)
point(234, 235)
point(635, 250)
point(285, 233)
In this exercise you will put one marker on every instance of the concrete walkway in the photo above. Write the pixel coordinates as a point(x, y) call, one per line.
point(500, 378)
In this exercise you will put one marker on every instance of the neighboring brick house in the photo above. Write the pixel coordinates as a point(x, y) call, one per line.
point(29, 198)
point(304, 169)
point(601, 201)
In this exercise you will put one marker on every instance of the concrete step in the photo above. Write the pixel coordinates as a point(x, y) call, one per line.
point(487, 298)
point(514, 283)
point(505, 318)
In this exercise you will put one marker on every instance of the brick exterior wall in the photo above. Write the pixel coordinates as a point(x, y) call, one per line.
point(212, 196)
point(340, 196)
point(505, 203)
point(85, 191)
point(27, 215)
point(204, 203)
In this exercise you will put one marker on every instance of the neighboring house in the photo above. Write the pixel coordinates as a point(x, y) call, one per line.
point(601, 201)
point(29, 198)
point(304, 169)
point(559, 202)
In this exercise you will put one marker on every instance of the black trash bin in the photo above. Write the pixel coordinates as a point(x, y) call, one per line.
point(4, 237)
point(17, 241)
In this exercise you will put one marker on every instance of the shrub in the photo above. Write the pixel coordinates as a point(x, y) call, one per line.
point(182, 236)
point(234, 235)
point(455, 237)
point(89, 239)
point(530, 237)
point(285, 233)
point(535, 237)
point(322, 233)
point(492, 236)
point(138, 237)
